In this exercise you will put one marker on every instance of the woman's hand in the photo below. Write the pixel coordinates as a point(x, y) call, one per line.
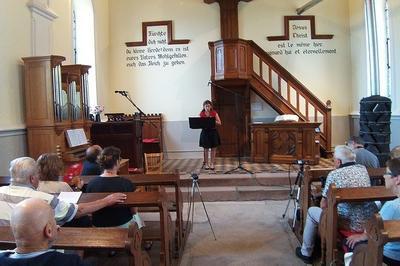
point(352, 240)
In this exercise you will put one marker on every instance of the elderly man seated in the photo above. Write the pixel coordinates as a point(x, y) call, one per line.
point(363, 156)
point(352, 217)
point(24, 182)
point(35, 229)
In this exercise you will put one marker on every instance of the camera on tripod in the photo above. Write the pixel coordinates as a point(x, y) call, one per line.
point(194, 176)
point(300, 162)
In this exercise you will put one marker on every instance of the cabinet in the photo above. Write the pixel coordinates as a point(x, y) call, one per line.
point(56, 99)
point(285, 142)
point(126, 135)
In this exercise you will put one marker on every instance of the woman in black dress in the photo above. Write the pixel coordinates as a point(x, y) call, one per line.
point(209, 137)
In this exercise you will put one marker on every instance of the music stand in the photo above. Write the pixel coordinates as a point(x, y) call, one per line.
point(201, 122)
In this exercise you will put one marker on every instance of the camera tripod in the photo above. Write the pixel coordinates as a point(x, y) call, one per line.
point(294, 193)
point(195, 185)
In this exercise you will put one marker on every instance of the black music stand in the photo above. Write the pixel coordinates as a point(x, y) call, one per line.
point(201, 122)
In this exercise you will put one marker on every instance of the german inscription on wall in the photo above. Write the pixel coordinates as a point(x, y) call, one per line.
point(157, 52)
point(300, 42)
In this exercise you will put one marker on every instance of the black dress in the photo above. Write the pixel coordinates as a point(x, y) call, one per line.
point(209, 137)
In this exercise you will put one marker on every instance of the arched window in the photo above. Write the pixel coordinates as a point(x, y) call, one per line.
point(83, 42)
point(378, 47)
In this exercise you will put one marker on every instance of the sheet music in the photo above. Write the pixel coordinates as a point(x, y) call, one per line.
point(70, 197)
point(76, 137)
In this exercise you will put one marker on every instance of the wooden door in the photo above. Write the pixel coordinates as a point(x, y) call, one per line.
point(233, 106)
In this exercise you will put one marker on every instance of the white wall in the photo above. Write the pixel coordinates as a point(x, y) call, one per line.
point(327, 76)
point(102, 43)
point(176, 92)
point(15, 43)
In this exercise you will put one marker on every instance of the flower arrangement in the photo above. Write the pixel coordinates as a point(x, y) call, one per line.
point(98, 109)
point(95, 112)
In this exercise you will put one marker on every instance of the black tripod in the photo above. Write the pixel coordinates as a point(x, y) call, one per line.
point(238, 127)
point(195, 185)
point(294, 193)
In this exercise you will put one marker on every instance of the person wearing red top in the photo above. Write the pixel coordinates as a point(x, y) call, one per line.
point(209, 137)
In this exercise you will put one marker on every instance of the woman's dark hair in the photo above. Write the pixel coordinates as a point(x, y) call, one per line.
point(109, 157)
point(207, 102)
point(50, 167)
point(394, 166)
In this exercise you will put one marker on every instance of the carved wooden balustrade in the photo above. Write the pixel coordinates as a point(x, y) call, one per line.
point(238, 60)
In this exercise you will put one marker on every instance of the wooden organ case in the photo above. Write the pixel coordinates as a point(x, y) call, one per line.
point(56, 99)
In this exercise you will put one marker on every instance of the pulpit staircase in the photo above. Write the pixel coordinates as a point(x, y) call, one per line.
point(243, 60)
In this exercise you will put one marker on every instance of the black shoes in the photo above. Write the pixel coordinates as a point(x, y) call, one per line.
point(305, 259)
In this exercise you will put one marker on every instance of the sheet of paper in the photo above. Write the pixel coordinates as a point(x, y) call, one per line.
point(70, 197)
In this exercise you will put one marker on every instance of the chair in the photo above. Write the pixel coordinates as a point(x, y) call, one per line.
point(153, 163)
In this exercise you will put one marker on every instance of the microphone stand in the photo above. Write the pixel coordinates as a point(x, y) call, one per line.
point(126, 95)
point(239, 166)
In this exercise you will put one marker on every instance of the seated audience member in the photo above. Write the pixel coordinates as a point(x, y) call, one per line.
point(90, 165)
point(395, 152)
point(363, 156)
point(24, 174)
point(352, 216)
point(109, 181)
point(389, 211)
point(35, 229)
point(50, 169)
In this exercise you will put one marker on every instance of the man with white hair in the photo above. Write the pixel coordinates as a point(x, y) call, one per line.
point(35, 229)
point(24, 182)
point(352, 217)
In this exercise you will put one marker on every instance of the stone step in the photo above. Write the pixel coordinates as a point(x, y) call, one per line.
point(259, 179)
point(235, 193)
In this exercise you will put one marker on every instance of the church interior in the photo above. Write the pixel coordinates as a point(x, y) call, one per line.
point(277, 87)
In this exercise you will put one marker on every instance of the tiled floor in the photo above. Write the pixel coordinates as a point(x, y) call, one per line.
point(225, 164)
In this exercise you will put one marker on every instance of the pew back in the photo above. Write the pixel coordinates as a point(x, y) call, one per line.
point(350, 195)
point(70, 238)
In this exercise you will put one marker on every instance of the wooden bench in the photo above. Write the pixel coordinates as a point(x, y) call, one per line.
point(314, 175)
point(349, 195)
point(170, 180)
point(379, 233)
point(144, 199)
point(92, 238)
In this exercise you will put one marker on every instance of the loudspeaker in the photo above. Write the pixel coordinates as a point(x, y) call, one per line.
point(375, 114)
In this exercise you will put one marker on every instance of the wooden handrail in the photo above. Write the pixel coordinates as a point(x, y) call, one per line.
point(235, 59)
point(291, 82)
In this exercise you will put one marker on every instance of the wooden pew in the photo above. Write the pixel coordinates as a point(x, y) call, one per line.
point(310, 176)
point(170, 180)
point(349, 195)
point(379, 233)
point(314, 175)
point(144, 199)
point(92, 238)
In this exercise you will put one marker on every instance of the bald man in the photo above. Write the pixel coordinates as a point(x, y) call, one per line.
point(35, 229)
point(90, 165)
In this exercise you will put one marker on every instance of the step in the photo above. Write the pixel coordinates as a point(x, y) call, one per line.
point(261, 179)
point(235, 193)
